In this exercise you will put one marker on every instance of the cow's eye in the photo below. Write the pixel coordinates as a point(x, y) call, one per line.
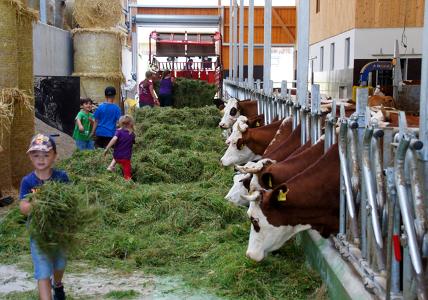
point(255, 222)
point(233, 111)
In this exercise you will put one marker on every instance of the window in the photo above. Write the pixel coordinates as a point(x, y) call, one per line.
point(332, 56)
point(322, 59)
point(347, 52)
point(317, 8)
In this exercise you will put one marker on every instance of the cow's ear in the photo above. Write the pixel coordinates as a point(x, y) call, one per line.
point(233, 111)
point(240, 144)
point(266, 180)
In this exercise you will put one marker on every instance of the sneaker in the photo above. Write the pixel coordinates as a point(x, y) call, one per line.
point(59, 293)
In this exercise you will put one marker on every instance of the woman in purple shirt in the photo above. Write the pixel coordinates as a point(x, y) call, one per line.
point(146, 92)
point(165, 89)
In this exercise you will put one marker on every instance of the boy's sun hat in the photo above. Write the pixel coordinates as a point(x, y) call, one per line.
point(42, 142)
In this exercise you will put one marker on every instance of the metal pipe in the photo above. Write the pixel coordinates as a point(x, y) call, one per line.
point(303, 52)
point(251, 43)
point(418, 194)
point(259, 103)
point(267, 50)
point(231, 40)
point(400, 182)
point(43, 12)
point(235, 40)
point(206, 20)
point(355, 175)
point(392, 198)
point(327, 134)
point(370, 188)
point(377, 159)
point(241, 41)
point(343, 141)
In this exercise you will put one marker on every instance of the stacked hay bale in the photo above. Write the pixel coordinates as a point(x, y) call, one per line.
point(16, 90)
point(98, 47)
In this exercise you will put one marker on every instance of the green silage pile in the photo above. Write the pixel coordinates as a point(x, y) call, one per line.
point(173, 219)
point(191, 92)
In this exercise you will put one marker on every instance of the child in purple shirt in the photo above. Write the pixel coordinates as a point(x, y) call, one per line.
point(123, 140)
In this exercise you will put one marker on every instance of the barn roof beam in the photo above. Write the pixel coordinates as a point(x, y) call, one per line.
point(282, 23)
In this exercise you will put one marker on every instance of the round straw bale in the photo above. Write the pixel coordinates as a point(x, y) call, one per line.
point(23, 117)
point(97, 13)
point(97, 51)
point(8, 45)
point(6, 114)
point(93, 85)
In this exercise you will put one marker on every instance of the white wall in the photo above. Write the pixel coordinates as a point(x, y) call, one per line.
point(53, 51)
point(339, 41)
point(364, 44)
point(126, 62)
point(370, 41)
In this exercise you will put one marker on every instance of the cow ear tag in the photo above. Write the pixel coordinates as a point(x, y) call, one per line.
point(282, 196)
point(270, 182)
point(257, 124)
point(241, 147)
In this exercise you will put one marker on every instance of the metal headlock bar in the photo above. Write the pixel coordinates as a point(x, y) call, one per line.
point(383, 187)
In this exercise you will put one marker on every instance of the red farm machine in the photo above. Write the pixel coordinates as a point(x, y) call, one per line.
point(190, 55)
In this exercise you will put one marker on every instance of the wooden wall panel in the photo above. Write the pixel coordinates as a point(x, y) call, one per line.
point(389, 13)
point(279, 35)
point(334, 17)
point(258, 57)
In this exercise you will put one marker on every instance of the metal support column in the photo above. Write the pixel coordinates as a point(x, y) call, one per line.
point(43, 13)
point(267, 47)
point(231, 40)
point(251, 43)
point(235, 40)
point(423, 106)
point(241, 41)
point(135, 52)
point(302, 58)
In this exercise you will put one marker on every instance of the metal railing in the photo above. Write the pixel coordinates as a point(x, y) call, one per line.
point(383, 208)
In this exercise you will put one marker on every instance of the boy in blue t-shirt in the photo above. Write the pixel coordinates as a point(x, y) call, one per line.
point(42, 153)
point(106, 117)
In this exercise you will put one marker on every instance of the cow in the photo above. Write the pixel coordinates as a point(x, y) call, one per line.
point(247, 144)
point(241, 185)
point(234, 108)
point(309, 199)
point(377, 100)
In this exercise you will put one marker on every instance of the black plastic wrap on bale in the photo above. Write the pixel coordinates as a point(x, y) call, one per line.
point(191, 93)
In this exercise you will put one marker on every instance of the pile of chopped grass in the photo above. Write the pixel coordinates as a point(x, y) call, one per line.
point(191, 93)
point(173, 219)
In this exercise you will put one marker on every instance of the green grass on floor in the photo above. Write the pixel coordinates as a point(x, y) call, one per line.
point(173, 220)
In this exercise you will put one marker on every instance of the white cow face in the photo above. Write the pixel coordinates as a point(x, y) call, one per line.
point(237, 154)
point(238, 189)
point(264, 237)
point(231, 113)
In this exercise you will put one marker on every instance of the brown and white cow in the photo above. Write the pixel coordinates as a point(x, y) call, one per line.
point(309, 199)
point(234, 108)
point(247, 144)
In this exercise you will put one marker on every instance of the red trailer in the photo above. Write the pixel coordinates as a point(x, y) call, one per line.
point(189, 55)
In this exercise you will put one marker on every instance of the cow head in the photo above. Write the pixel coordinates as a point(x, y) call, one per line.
point(265, 237)
point(238, 128)
point(231, 113)
point(255, 166)
point(241, 185)
point(237, 152)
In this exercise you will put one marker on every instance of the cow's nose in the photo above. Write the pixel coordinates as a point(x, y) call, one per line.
point(256, 256)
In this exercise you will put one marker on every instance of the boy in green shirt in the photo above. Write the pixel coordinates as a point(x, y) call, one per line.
point(84, 126)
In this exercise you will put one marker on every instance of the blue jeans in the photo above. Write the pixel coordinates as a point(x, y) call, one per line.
point(85, 145)
point(45, 265)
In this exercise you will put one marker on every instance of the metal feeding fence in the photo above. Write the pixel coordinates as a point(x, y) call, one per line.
point(383, 208)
